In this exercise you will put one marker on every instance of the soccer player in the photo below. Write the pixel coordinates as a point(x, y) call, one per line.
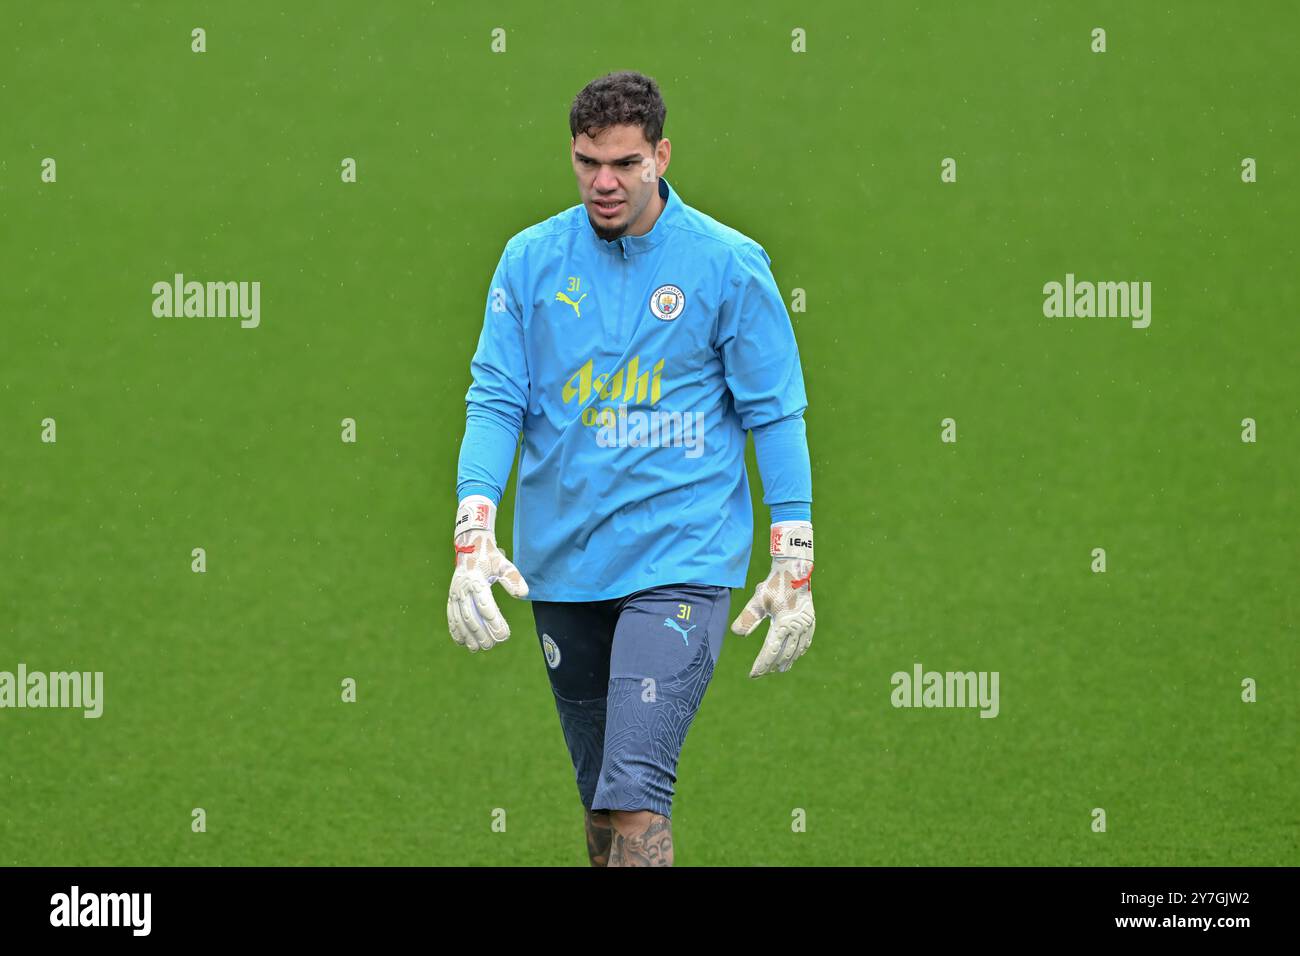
point(633, 341)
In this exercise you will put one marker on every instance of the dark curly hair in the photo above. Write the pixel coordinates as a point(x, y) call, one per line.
point(626, 98)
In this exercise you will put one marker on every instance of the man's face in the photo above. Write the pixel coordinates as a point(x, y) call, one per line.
point(618, 178)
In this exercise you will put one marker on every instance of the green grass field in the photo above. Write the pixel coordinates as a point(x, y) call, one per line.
point(328, 560)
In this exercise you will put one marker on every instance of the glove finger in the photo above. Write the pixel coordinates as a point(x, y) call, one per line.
point(474, 633)
point(812, 629)
point(763, 662)
point(805, 639)
point(482, 631)
point(754, 612)
point(772, 646)
point(802, 625)
point(497, 628)
point(453, 622)
point(512, 581)
point(794, 631)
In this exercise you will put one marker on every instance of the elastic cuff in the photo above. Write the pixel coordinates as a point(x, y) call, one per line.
point(479, 488)
point(791, 511)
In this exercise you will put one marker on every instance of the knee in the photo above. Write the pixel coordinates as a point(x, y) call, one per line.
point(633, 821)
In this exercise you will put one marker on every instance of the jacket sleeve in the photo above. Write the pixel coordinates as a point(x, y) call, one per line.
point(760, 359)
point(498, 395)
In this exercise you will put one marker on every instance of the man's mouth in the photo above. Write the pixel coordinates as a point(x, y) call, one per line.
point(608, 209)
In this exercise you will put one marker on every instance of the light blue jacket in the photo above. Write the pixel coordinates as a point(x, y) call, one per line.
point(633, 369)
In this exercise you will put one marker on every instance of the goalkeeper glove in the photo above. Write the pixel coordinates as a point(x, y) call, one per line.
point(472, 614)
point(786, 597)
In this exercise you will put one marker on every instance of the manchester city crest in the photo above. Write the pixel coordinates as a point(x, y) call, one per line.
point(551, 650)
point(667, 302)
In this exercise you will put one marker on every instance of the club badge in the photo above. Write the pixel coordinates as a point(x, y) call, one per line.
point(667, 302)
point(551, 650)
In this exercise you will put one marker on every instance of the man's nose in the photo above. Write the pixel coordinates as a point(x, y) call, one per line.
point(606, 181)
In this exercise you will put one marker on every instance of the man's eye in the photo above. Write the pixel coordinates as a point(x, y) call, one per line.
point(587, 162)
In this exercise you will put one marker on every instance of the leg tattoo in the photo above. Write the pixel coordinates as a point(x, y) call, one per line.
point(599, 834)
point(641, 838)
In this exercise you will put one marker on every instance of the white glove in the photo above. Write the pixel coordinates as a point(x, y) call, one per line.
point(472, 614)
point(786, 597)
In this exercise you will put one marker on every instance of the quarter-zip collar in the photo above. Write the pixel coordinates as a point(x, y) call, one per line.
point(626, 246)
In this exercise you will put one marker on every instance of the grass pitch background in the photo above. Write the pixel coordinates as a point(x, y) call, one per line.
point(328, 560)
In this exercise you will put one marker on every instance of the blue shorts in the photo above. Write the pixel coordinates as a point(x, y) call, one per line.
point(628, 676)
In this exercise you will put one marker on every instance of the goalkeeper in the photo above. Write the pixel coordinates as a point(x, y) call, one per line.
point(632, 341)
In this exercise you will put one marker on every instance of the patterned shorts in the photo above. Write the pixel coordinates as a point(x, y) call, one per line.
point(628, 676)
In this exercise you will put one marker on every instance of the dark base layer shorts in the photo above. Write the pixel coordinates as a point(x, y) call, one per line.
point(628, 676)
